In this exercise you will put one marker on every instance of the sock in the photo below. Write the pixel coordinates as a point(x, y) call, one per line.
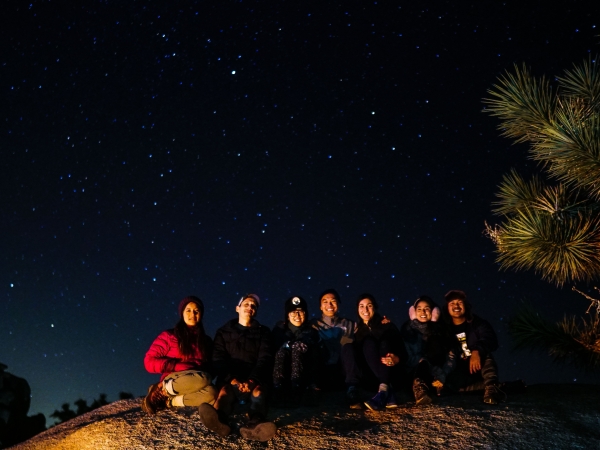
point(383, 387)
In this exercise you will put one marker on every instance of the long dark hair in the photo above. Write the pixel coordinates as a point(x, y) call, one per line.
point(189, 338)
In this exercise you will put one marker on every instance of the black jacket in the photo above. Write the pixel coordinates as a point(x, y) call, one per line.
point(386, 333)
point(430, 341)
point(243, 353)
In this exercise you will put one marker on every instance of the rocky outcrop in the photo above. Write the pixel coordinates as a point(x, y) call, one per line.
point(15, 399)
point(545, 417)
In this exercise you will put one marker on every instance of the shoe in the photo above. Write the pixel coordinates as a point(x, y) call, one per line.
point(391, 402)
point(210, 419)
point(421, 392)
point(156, 399)
point(493, 395)
point(353, 398)
point(262, 431)
point(379, 402)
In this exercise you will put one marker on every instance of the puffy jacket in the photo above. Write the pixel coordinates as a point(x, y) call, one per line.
point(243, 353)
point(164, 357)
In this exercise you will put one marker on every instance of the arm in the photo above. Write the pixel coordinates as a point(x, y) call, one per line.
point(157, 359)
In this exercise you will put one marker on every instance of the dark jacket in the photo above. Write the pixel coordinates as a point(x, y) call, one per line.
point(164, 357)
point(429, 340)
point(245, 354)
point(386, 334)
point(480, 336)
point(282, 334)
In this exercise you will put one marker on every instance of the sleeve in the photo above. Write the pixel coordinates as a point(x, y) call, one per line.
point(264, 363)
point(156, 359)
point(487, 341)
point(220, 356)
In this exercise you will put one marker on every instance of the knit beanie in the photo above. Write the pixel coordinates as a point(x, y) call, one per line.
point(293, 304)
point(189, 299)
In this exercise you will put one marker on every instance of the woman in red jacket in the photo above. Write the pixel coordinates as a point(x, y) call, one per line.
point(181, 355)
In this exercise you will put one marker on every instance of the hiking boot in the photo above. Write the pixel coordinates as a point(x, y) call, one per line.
point(210, 419)
point(262, 431)
point(391, 402)
point(156, 399)
point(379, 402)
point(421, 392)
point(493, 395)
point(353, 398)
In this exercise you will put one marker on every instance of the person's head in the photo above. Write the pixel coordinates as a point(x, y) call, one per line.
point(191, 310)
point(296, 311)
point(247, 307)
point(329, 302)
point(424, 310)
point(366, 307)
point(457, 306)
point(189, 329)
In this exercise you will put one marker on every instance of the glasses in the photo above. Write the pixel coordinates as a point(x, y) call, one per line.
point(298, 312)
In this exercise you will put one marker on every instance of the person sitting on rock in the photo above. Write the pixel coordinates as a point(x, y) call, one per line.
point(243, 361)
point(429, 357)
point(181, 355)
point(337, 359)
point(474, 340)
point(377, 348)
point(296, 358)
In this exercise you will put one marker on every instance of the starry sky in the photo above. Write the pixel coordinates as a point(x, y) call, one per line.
point(157, 149)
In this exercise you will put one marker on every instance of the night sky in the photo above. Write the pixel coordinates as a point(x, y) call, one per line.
point(157, 149)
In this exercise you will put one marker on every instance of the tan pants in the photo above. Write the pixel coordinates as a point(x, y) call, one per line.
point(190, 388)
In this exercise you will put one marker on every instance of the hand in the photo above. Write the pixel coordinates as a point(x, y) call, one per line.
point(390, 360)
point(474, 362)
point(385, 320)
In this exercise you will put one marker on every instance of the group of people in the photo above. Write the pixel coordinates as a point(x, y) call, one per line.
point(447, 349)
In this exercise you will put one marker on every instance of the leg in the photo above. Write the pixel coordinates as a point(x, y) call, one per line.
point(372, 355)
point(190, 388)
point(224, 403)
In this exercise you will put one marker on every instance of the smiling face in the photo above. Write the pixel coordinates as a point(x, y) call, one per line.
point(423, 312)
point(329, 305)
point(457, 311)
point(297, 317)
point(191, 314)
point(366, 309)
point(247, 310)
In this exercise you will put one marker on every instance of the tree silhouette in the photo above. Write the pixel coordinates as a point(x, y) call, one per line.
point(66, 413)
point(551, 223)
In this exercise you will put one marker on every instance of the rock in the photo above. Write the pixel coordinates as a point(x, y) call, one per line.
point(546, 416)
point(15, 398)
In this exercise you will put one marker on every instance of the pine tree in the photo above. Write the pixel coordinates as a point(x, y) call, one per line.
point(551, 223)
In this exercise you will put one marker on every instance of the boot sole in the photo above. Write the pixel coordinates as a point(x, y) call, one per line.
point(210, 419)
point(426, 400)
point(261, 432)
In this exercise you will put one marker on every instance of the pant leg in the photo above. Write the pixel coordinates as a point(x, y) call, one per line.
point(372, 354)
point(349, 364)
point(489, 371)
point(190, 388)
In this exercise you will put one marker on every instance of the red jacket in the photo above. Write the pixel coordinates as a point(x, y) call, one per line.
point(163, 356)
